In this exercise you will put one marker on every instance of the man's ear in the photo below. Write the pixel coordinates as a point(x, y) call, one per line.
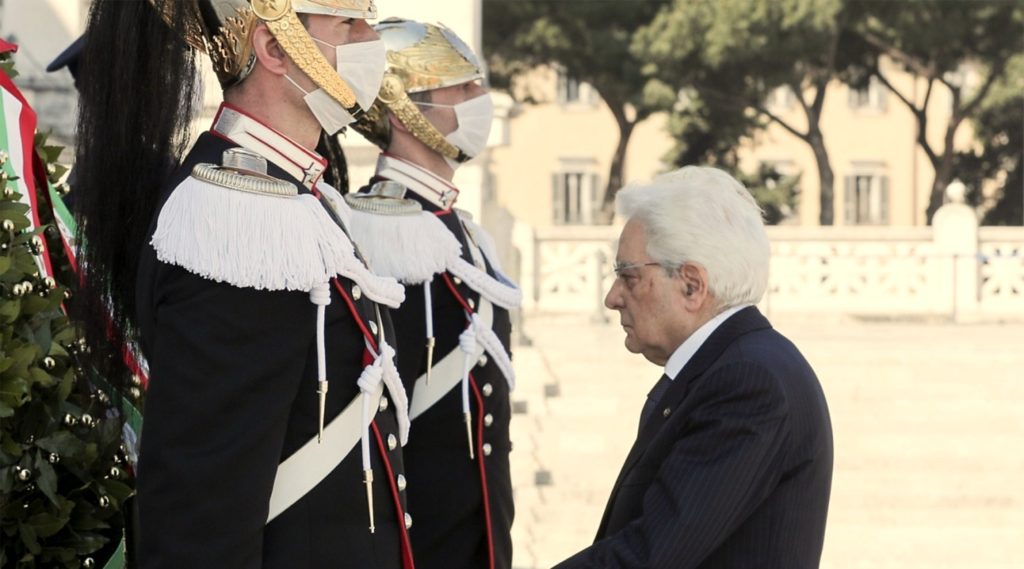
point(396, 125)
point(693, 282)
point(268, 51)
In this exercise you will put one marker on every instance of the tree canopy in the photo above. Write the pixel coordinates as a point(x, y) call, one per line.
point(961, 46)
point(716, 67)
point(590, 41)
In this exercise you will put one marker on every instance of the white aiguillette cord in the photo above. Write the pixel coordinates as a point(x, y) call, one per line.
point(320, 295)
point(467, 343)
point(431, 341)
point(382, 370)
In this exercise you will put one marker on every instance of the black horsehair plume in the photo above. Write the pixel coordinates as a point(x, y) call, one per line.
point(136, 104)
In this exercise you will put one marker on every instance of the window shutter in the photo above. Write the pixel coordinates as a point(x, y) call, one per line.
point(849, 201)
point(883, 210)
point(557, 200)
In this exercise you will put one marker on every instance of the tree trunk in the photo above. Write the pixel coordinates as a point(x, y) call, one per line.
point(943, 172)
point(616, 171)
point(826, 177)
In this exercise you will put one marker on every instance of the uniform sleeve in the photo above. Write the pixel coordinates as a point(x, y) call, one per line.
point(723, 464)
point(225, 365)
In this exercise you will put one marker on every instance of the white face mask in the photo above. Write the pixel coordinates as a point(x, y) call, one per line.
point(328, 112)
point(361, 65)
point(474, 118)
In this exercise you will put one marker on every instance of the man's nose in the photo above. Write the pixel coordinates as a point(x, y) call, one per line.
point(613, 300)
point(362, 31)
point(475, 90)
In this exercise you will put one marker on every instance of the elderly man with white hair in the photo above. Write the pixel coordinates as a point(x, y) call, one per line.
point(732, 465)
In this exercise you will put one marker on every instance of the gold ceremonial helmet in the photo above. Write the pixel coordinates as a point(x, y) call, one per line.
point(420, 57)
point(222, 29)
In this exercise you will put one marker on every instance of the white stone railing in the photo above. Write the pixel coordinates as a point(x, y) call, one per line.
point(952, 269)
point(1001, 279)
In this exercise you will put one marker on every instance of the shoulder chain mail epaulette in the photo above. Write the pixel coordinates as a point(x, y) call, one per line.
point(247, 182)
point(384, 198)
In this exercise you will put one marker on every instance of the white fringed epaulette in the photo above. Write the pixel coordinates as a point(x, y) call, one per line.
point(397, 238)
point(486, 243)
point(254, 231)
point(400, 240)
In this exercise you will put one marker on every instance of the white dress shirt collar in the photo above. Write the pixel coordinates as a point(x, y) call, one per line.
point(679, 358)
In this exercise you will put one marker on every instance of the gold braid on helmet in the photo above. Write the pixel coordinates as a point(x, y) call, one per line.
point(421, 57)
point(223, 30)
point(374, 125)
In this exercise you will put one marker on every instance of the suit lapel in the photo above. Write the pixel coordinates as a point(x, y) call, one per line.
point(746, 320)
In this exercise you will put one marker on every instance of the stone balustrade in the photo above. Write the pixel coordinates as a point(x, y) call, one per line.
point(953, 269)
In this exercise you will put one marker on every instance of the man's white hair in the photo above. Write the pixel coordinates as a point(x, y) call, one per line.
point(705, 216)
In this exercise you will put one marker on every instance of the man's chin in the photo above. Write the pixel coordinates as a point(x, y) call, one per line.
point(631, 344)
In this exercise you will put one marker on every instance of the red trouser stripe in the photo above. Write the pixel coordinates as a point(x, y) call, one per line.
point(407, 562)
point(483, 469)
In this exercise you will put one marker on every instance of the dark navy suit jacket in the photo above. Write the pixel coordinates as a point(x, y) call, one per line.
point(732, 470)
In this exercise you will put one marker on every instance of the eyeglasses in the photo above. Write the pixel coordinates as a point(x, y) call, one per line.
point(620, 269)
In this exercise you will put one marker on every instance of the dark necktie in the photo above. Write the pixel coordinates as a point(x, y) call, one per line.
point(653, 397)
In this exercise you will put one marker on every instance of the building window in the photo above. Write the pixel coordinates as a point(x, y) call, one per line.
point(568, 88)
point(781, 98)
point(572, 92)
point(866, 199)
point(869, 97)
point(574, 196)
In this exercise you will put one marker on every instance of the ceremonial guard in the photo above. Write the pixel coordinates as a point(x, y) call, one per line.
point(274, 415)
point(432, 114)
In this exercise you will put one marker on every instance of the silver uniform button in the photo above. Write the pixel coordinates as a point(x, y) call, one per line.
point(488, 420)
point(666, 412)
point(457, 280)
point(471, 303)
point(408, 520)
point(487, 449)
point(488, 389)
point(401, 482)
point(482, 361)
point(373, 327)
point(383, 406)
point(392, 442)
point(357, 293)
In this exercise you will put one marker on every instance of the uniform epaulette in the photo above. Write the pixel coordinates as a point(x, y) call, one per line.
point(404, 242)
point(397, 237)
point(237, 225)
point(483, 239)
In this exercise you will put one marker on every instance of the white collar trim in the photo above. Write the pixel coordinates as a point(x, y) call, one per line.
point(419, 180)
point(684, 353)
point(285, 153)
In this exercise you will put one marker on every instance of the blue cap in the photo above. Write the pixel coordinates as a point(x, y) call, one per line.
point(69, 58)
